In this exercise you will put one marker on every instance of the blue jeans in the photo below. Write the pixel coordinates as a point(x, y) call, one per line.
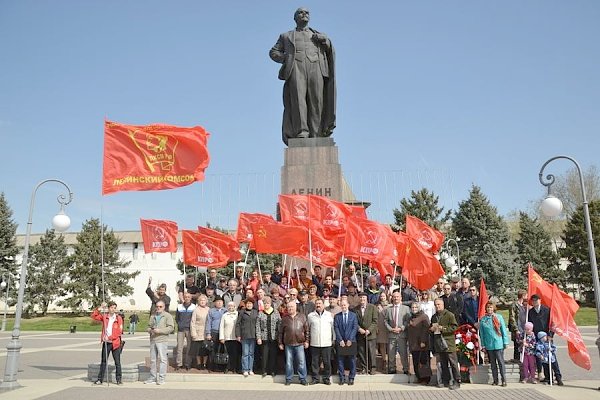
point(295, 353)
point(132, 326)
point(158, 350)
point(248, 354)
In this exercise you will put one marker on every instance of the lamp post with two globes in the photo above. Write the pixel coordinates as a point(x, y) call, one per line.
point(61, 223)
point(552, 207)
point(449, 261)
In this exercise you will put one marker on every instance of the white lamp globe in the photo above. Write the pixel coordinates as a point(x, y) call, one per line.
point(551, 206)
point(2, 285)
point(61, 222)
point(450, 262)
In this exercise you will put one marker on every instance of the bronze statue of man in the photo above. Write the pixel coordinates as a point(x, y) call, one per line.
point(309, 93)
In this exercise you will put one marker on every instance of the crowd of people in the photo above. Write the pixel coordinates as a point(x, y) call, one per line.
point(314, 326)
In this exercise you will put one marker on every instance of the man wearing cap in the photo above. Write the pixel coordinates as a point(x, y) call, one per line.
point(210, 295)
point(304, 306)
point(221, 287)
point(188, 286)
point(367, 333)
point(353, 299)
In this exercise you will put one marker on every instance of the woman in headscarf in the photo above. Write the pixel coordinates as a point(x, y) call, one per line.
point(494, 339)
point(418, 342)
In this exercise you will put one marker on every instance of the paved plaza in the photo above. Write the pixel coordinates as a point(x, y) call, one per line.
point(54, 366)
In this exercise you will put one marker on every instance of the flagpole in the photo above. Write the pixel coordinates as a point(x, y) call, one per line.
point(104, 347)
point(259, 271)
point(340, 278)
point(309, 236)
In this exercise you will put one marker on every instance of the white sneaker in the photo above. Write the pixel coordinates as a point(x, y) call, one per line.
point(149, 382)
point(251, 372)
point(245, 374)
point(160, 382)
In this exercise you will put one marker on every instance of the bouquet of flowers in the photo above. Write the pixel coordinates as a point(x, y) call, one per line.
point(467, 342)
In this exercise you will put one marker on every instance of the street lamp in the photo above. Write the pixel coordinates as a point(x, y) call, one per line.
point(61, 223)
point(5, 285)
point(552, 206)
point(449, 261)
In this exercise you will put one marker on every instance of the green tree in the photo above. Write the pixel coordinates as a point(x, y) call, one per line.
point(46, 272)
point(485, 247)
point(576, 246)
point(568, 188)
point(85, 269)
point(8, 239)
point(423, 205)
point(535, 246)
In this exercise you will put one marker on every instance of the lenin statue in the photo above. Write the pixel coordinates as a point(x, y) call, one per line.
point(308, 61)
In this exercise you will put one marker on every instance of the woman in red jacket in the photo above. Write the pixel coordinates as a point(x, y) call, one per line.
point(112, 329)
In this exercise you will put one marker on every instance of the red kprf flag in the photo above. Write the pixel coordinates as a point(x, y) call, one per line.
point(204, 251)
point(369, 240)
point(327, 216)
point(420, 267)
point(483, 299)
point(563, 324)
point(159, 236)
point(152, 157)
point(280, 239)
point(293, 209)
point(324, 251)
point(245, 220)
point(232, 244)
point(537, 285)
point(431, 239)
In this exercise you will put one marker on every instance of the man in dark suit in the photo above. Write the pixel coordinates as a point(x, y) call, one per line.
point(308, 71)
point(345, 325)
point(367, 315)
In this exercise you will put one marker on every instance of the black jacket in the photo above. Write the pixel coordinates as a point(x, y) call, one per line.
point(245, 326)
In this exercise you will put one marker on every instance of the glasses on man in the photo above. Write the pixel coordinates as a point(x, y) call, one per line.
point(473, 290)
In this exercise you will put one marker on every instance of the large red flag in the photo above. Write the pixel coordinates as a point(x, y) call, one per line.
point(483, 299)
point(537, 285)
point(204, 251)
point(280, 239)
point(244, 231)
point(324, 251)
point(159, 236)
point(232, 244)
point(293, 209)
point(562, 324)
point(327, 216)
point(359, 211)
point(431, 239)
point(152, 157)
point(369, 240)
point(420, 267)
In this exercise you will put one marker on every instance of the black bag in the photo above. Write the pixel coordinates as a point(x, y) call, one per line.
point(439, 344)
point(424, 371)
point(221, 357)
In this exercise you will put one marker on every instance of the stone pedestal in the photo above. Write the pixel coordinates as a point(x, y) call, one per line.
point(311, 166)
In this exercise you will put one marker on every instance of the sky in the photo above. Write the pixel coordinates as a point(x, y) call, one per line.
point(435, 94)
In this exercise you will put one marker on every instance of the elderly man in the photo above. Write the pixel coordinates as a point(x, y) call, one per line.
point(188, 286)
point(294, 338)
point(160, 327)
point(183, 317)
point(367, 334)
point(396, 322)
point(320, 323)
point(443, 325)
point(308, 71)
point(232, 293)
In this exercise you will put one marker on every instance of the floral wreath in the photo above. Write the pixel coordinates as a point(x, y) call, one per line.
point(467, 342)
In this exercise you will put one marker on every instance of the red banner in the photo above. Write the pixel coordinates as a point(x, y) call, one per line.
point(204, 251)
point(244, 230)
point(429, 238)
point(537, 285)
point(563, 324)
point(328, 216)
point(232, 244)
point(280, 239)
point(370, 240)
point(359, 212)
point(159, 236)
point(324, 252)
point(420, 267)
point(152, 157)
point(483, 299)
point(293, 209)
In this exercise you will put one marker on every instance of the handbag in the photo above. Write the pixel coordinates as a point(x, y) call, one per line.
point(221, 357)
point(440, 344)
point(424, 371)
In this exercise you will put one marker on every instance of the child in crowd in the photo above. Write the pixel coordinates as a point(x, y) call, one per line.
point(546, 351)
point(527, 344)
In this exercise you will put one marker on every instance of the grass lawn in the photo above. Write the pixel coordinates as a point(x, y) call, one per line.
point(586, 316)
